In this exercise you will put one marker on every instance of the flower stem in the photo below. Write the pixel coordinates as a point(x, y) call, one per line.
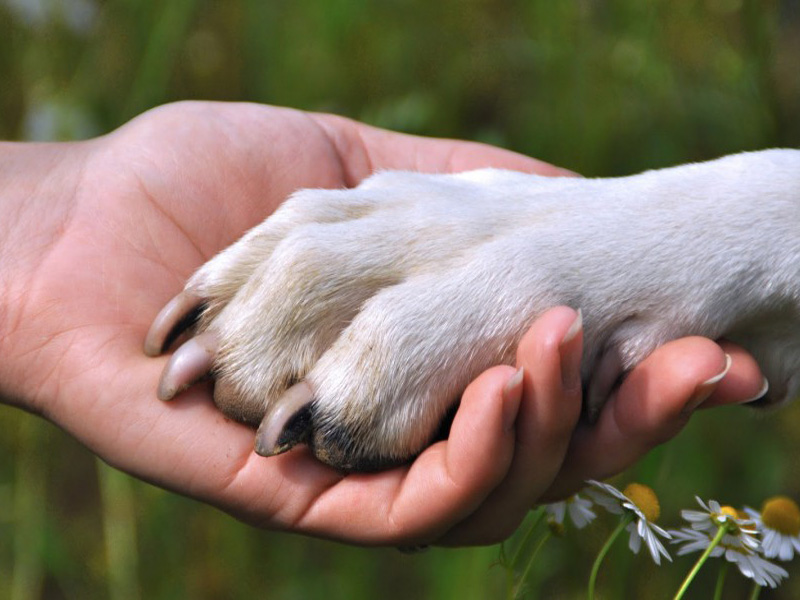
point(508, 571)
point(714, 543)
point(604, 550)
point(534, 523)
point(723, 570)
point(755, 592)
point(531, 558)
point(511, 566)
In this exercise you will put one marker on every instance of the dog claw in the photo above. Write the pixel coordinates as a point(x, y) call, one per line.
point(606, 376)
point(188, 365)
point(177, 315)
point(287, 423)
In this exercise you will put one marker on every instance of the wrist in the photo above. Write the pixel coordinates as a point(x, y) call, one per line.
point(38, 184)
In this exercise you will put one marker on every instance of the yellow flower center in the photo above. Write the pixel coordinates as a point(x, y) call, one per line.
point(742, 516)
point(781, 514)
point(727, 517)
point(645, 500)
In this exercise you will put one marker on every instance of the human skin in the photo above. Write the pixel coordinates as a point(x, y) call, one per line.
point(96, 236)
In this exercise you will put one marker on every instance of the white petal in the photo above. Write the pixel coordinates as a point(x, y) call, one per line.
point(758, 569)
point(785, 551)
point(656, 548)
point(634, 541)
point(556, 511)
point(662, 532)
point(580, 512)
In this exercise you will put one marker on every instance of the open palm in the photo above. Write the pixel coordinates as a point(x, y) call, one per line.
point(145, 206)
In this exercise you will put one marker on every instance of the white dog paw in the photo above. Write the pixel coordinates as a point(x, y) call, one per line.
point(352, 320)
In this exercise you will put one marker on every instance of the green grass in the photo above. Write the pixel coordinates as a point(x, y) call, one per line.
point(604, 88)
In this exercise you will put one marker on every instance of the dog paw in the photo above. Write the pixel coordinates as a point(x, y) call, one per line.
point(352, 320)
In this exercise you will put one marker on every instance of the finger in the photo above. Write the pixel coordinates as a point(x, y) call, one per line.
point(744, 382)
point(448, 481)
point(368, 149)
point(549, 356)
point(651, 406)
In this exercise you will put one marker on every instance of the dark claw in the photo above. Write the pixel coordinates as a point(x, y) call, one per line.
point(606, 376)
point(287, 423)
point(179, 314)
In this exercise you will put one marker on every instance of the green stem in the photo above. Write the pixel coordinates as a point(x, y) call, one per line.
point(604, 550)
point(509, 571)
point(160, 55)
point(714, 543)
point(510, 567)
point(755, 591)
point(30, 510)
point(525, 573)
point(509, 584)
point(119, 527)
point(528, 534)
point(723, 570)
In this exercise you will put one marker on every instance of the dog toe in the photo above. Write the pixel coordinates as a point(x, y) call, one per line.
point(178, 314)
point(190, 363)
point(287, 421)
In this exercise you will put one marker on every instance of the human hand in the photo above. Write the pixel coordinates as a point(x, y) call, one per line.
point(96, 236)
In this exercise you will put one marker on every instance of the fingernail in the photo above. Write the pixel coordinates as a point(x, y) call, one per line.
point(760, 395)
point(512, 395)
point(570, 356)
point(705, 389)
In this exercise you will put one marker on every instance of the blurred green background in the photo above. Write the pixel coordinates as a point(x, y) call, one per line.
point(603, 88)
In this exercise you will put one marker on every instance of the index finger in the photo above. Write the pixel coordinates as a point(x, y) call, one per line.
point(367, 149)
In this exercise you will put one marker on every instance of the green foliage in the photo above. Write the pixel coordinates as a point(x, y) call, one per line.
point(603, 88)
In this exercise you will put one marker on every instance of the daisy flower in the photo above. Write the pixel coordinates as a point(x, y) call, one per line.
point(579, 510)
point(639, 504)
point(714, 515)
point(748, 561)
point(723, 531)
point(779, 525)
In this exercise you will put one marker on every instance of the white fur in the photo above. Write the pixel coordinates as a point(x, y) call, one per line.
point(390, 297)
